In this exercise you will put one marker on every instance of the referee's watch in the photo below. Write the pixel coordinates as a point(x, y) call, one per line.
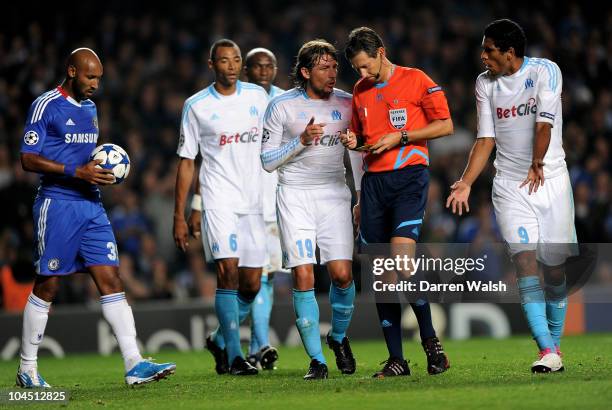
point(404, 140)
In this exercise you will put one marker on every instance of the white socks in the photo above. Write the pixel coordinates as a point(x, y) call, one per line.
point(118, 314)
point(35, 317)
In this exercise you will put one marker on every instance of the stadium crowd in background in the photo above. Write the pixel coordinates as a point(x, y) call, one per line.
point(155, 58)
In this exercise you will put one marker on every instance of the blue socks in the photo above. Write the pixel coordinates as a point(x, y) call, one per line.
point(390, 315)
point(226, 306)
point(556, 308)
point(534, 307)
point(244, 308)
point(341, 301)
point(422, 311)
point(260, 315)
point(307, 313)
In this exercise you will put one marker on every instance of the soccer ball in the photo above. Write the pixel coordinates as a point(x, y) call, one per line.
point(113, 157)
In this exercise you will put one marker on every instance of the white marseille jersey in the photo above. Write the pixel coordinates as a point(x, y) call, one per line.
point(270, 179)
point(286, 118)
point(227, 131)
point(510, 106)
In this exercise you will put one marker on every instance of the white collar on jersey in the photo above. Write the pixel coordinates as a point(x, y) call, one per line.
point(73, 101)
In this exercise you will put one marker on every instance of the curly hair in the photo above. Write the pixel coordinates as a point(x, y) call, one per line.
point(308, 56)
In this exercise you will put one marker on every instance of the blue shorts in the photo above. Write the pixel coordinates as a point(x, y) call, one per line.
point(393, 204)
point(71, 235)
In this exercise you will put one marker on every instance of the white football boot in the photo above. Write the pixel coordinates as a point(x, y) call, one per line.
point(549, 362)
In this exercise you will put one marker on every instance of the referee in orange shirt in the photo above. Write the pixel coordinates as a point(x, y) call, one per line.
point(395, 111)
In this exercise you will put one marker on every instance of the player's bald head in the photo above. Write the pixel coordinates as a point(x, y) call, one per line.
point(82, 58)
point(256, 52)
point(83, 73)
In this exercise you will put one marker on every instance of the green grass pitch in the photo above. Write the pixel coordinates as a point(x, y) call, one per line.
point(484, 374)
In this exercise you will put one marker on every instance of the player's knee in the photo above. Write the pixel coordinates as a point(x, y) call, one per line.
point(249, 288)
point(227, 274)
point(526, 264)
point(554, 274)
point(226, 280)
point(342, 278)
point(46, 288)
point(111, 285)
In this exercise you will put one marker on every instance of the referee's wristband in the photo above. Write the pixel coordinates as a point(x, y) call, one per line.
point(70, 169)
point(196, 202)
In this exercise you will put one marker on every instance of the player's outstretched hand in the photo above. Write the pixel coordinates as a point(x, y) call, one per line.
point(95, 175)
point(535, 176)
point(181, 236)
point(349, 139)
point(312, 131)
point(195, 223)
point(385, 143)
point(458, 198)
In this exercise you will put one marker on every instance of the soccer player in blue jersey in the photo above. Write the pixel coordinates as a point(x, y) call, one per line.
point(72, 232)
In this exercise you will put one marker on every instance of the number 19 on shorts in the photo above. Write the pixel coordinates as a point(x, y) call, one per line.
point(305, 246)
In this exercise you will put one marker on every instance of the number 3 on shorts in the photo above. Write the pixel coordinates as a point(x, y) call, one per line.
point(113, 251)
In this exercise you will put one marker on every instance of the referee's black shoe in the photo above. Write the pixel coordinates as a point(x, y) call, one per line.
point(344, 355)
point(394, 366)
point(437, 361)
point(317, 370)
point(220, 356)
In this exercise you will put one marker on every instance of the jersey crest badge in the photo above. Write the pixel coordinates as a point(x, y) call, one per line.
point(398, 118)
point(53, 264)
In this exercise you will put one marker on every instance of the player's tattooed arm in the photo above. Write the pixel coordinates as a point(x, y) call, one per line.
point(88, 172)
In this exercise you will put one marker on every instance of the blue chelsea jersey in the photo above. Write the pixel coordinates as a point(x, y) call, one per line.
point(63, 130)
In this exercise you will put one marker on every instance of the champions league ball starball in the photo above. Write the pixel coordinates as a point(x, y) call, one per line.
point(113, 157)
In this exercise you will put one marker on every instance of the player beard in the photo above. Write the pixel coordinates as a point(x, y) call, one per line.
point(323, 91)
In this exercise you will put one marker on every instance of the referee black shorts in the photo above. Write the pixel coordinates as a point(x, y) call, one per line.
point(393, 204)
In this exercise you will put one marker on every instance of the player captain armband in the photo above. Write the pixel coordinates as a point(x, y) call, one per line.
point(70, 170)
point(196, 202)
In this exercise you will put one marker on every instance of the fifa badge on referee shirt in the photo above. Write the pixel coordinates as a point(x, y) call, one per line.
point(398, 118)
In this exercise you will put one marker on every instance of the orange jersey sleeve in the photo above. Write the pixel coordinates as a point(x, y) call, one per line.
point(409, 100)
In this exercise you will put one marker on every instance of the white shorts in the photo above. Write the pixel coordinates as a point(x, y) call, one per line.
point(308, 218)
point(542, 221)
point(231, 235)
point(274, 254)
